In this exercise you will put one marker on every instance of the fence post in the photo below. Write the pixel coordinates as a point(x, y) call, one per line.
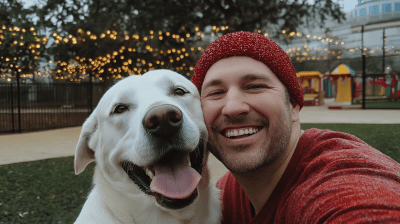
point(363, 67)
point(383, 51)
point(12, 107)
point(364, 80)
point(19, 103)
point(90, 95)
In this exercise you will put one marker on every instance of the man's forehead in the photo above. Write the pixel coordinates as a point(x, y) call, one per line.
point(238, 68)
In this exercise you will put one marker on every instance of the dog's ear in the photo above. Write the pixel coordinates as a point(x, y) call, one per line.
point(83, 154)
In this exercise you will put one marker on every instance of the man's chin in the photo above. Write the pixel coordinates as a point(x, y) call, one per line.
point(243, 162)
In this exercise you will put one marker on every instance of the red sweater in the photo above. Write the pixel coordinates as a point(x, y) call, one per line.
point(333, 177)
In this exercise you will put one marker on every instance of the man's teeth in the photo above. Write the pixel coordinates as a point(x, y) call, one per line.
point(239, 132)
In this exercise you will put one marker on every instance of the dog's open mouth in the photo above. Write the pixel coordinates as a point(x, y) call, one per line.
point(172, 180)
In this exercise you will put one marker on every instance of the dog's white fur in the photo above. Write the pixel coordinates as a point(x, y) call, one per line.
point(110, 138)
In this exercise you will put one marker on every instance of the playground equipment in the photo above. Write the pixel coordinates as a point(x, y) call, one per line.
point(389, 86)
point(311, 83)
point(343, 75)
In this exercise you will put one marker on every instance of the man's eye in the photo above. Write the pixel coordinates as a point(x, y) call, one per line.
point(255, 87)
point(120, 109)
point(215, 93)
point(179, 92)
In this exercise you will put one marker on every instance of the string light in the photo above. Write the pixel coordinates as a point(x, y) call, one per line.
point(100, 64)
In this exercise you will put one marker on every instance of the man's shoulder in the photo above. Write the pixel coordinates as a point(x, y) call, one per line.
point(341, 169)
point(332, 146)
point(226, 179)
point(315, 134)
point(315, 142)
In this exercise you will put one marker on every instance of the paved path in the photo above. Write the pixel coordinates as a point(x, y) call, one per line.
point(15, 148)
point(39, 145)
point(322, 115)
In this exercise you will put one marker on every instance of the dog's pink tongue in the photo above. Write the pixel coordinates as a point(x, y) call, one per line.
point(176, 180)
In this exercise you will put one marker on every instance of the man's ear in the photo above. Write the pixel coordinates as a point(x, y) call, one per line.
point(83, 154)
point(295, 112)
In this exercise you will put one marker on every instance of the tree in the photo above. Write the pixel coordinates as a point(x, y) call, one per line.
point(20, 45)
point(115, 38)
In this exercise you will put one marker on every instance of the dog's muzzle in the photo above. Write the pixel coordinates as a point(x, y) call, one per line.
point(173, 179)
point(144, 176)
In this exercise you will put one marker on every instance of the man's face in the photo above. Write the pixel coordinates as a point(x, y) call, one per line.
point(248, 116)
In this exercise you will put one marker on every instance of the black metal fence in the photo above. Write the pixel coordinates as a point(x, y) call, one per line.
point(46, 106)
point(55, 105)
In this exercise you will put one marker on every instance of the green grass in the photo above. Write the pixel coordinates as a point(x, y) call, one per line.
point(48, 191)
point(381, 105)
point(45, 191)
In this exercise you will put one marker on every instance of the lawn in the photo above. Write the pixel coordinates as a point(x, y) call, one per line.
point(48, 191)
point(382, 104)
point(45, 191)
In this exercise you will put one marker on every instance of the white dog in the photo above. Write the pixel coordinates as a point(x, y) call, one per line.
point(148, 138)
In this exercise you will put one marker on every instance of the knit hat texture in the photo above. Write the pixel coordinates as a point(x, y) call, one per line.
point(257, 47)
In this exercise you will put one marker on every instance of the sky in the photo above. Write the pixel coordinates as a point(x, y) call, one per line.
point(28, 3)
point(348, 5)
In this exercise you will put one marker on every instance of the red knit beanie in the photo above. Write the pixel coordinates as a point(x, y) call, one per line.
point(257, 47)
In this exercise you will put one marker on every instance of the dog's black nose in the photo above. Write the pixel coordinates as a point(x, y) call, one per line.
point(164, 120)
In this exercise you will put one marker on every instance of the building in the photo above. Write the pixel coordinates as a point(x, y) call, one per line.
point(375, 11)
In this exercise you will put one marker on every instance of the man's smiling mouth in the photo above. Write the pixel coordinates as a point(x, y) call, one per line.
point(241, 132)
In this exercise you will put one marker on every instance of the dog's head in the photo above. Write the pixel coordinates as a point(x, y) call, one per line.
point(148, 132)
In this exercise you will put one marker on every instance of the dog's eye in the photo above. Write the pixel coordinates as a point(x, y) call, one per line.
point(179, 92)
point(120, 109)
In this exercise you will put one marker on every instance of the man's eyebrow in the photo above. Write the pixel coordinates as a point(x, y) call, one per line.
point(213, 82)
point(252, 77)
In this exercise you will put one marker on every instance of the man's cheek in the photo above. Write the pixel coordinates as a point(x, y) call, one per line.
point(207, 113)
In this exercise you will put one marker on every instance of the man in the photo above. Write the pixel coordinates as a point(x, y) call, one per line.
point(279, 173)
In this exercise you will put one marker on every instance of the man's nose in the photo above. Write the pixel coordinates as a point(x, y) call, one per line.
point(235, 104)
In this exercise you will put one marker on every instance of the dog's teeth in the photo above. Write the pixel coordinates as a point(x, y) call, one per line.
point(149, 173)
point(188, 160)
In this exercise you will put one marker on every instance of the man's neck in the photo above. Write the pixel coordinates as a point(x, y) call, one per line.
point(259, 184)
